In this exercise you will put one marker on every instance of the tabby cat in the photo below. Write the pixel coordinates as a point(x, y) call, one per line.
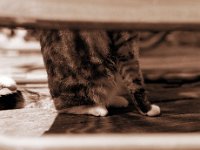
point(89, 71)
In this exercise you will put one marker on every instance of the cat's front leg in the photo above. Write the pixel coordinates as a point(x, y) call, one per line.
point(135, 86)
point(126, 44)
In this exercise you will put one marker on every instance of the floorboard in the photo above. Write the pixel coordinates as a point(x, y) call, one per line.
point(179, 101)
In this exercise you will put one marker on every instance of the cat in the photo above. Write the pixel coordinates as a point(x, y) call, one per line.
point(91, 70)
point(7, 82)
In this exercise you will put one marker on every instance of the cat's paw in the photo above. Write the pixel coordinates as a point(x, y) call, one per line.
point(154, 111)
point(6, 82)
point(118, 101)
point(98, 111)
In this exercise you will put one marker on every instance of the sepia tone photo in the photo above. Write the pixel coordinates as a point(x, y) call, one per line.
point(97, 74)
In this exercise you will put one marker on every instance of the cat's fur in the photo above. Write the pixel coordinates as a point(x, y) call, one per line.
point(6, 82)
point(89, 71)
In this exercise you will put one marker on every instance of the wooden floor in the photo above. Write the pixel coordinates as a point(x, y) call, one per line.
point(172, 76)
point(172, 81)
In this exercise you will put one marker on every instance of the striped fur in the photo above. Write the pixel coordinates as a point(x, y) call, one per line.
point(93, 68)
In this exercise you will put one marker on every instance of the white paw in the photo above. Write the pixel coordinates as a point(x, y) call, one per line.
point(155, 111)
point(98, 111)
point(6, 82)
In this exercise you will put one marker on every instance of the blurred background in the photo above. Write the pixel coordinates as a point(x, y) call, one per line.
point(165, 56)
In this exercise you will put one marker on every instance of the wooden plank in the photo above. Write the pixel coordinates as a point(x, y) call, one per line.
point(104, 142)
point(28, 122)
point(108, 14)
point(125, 130)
